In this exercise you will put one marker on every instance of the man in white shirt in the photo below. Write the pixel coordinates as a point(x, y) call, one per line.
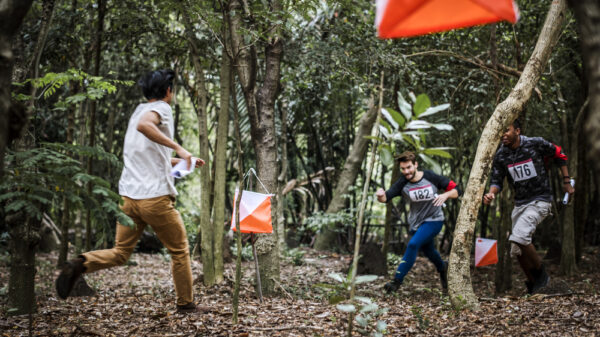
point(148, 193)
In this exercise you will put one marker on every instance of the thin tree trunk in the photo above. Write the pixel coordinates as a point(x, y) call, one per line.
point(502, 230)
point(92, 116)
point(260, 103)
point(587, 13)
point(238, 232)
point(281, 179)
point(327, 237)
point(220, 164)
point(459, 276)
point(389, 217)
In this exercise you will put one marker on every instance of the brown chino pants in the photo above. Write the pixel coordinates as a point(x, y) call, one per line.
point(166, 222)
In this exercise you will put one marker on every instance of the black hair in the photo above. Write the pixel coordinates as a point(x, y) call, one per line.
point(516, 124)
point(155, 83)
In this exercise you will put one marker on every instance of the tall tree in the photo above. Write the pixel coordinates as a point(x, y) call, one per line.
point(12, 119)
point(260, 103)
point(459, 278)
point(587, 13)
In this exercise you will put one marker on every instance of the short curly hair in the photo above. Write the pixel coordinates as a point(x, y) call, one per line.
point(406, 156)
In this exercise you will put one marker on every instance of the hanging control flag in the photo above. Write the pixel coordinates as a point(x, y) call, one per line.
point(486, 252)
point(255, 212)
point(405, 18)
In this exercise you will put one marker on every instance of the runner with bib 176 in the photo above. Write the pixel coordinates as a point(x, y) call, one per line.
point(523, 161)
point(427, 192)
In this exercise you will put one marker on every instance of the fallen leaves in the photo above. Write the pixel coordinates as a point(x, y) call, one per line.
point(138, 300)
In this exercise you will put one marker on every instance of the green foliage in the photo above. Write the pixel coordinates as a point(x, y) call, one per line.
point(365, 309)
point(40, 177)
point(96, 87)
point(408, 128)
point(296, 255)
point(320, 219)
point(422, 322)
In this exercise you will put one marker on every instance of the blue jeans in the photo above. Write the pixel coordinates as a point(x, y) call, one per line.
point(422, 239)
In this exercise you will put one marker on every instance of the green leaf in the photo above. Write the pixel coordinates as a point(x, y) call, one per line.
point(437, 152)
point(435, 109)
point(442, 126)
point(369, 308)
point(386, 157)
point(422, 104)
point(335, 299)
point(388, 117)
point(397, 117)
point(435, 167)
point(381, 326)
point(363, 299)
point(405, 107)
point(336, 276)
point(365, 278)
point(346, 308)
point(361, 321)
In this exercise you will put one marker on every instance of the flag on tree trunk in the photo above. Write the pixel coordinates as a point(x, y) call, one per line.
point(255, 212)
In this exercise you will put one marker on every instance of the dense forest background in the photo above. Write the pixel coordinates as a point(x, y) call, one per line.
point(297, 83)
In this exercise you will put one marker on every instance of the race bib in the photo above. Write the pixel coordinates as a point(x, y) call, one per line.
point(522, 171)
point(422, 193)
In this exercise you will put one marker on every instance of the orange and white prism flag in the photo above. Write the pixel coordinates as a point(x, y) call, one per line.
point(486, 252)
point(255, 212)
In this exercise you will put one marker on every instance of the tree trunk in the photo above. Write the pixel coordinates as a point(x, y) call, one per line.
point(568, 264)
point(12, 119)
point(502, 230)
point(92, 116)
point(220, 165)
point(260, 104)
point(281, 179)
point(389, 217)
point(326, 239)
point(459, 277)
point(587, 13)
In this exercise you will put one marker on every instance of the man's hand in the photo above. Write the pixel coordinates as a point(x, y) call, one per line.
point(199, 162)
point(184, 154)
point(380, 194)
point(488, 197)
point(567, 188)
point(440, 199)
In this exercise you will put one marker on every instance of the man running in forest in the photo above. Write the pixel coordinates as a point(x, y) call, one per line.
point(523, 161)
point(148, 193)
point(425, 218)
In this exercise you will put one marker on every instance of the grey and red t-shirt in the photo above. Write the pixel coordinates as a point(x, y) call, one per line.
point(420, 195)
point(525, 168)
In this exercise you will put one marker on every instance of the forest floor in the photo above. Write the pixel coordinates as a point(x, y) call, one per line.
point(138, 300)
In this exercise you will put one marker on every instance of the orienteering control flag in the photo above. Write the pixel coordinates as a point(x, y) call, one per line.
point(255, 212)
point(486, 252)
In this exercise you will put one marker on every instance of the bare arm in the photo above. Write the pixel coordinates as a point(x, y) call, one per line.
point(148, 125)
point(490, 195)
point(567, 188)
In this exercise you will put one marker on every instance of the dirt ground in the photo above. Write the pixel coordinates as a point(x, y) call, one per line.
point(138, 300)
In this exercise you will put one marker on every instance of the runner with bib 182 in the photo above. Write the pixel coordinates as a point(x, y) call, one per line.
point(427, 192)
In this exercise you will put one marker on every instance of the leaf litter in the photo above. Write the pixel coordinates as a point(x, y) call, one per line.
point(138, 300)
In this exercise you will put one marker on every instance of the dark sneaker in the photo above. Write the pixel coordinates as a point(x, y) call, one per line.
point(444, 276)
point(68, 275)
point(541, 280)
point(191, 308)
point(529, 285)
point(392, 286)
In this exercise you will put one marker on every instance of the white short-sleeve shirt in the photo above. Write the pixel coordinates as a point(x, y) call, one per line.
point(147, 165)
